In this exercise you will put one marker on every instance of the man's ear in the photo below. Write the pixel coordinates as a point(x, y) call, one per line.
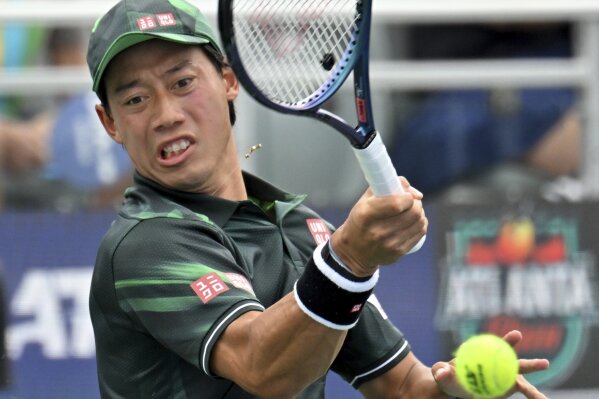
point(108, 123)
point(232, 83)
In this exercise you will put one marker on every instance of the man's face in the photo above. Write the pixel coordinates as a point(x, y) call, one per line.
point(168, 107)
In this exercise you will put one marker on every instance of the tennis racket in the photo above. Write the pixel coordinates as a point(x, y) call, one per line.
point(293, 55)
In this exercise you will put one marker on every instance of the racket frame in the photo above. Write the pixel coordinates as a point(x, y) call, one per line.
point(354, 59)
point(369, 148)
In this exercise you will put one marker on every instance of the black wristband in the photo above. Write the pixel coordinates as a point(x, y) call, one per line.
point(330, 294)
point(330, 258)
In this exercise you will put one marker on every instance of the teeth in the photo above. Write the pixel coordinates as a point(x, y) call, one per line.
point(176, 147)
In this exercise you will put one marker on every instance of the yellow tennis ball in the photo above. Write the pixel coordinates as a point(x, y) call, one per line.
point(486, 366)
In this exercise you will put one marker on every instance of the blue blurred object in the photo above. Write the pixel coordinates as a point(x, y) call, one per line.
point(82, 154)
point(458, 133)
point(20, 45)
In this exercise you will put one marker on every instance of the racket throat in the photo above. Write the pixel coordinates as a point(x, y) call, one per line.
point(357, 136)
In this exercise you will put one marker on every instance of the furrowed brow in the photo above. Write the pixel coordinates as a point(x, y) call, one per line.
point(178, 67)
point(126, 86)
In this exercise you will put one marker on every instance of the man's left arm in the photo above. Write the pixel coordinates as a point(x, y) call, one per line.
point(410, 378)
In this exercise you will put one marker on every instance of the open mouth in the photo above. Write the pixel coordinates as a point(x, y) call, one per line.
point(175, 148)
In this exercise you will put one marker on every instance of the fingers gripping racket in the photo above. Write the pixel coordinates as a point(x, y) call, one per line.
point(293, 55)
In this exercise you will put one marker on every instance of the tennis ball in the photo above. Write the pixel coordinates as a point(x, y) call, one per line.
point(486, 366)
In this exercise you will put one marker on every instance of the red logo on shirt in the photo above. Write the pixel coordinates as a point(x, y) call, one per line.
point(209, 287)
point(239, 281)
point(319, 229)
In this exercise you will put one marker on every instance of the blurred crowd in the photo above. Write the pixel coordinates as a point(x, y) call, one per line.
point(54, 153)
point(507, 138)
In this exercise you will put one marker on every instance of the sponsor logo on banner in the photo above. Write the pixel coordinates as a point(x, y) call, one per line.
point(528, 273)
point(319, 230)
point(50, 311)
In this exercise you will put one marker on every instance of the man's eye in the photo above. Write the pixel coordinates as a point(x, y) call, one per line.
point(134, 100)
point(183, 82)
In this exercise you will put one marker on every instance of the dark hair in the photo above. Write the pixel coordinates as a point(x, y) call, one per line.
point(215, 57)
point(219, 62)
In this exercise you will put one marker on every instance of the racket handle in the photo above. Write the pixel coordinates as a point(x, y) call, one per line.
point(380, 173)
point(378, 168)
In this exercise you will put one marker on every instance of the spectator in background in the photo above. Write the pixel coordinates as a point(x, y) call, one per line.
point(23, 131)
point(90, 166)
point(20, 45)
point(458, 134)
point(54, 152)
point(23, 144)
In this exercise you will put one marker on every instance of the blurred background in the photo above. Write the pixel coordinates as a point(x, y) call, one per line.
point(491, 108)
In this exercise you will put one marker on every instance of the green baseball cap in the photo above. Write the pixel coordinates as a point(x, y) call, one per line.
point(131, 22)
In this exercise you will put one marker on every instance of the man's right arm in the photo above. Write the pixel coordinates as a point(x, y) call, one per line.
point(275, 353)
point(278, 352)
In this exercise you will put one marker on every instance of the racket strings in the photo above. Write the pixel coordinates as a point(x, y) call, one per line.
point(292, 49)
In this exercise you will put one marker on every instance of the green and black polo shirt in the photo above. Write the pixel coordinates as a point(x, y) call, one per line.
point(176, 268)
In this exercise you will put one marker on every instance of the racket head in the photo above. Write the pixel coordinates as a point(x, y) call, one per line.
point(293, 55)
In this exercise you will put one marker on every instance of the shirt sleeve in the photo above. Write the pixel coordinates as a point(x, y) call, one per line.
point(178, 281)
point(371, 348)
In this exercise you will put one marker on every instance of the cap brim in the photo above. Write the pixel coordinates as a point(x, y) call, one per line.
point(130, 39)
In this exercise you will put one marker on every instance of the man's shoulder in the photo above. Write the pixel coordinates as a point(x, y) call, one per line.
point(142, 203)
point(146, 219)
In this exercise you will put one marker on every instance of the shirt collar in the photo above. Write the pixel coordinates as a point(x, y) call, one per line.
point(219, 210)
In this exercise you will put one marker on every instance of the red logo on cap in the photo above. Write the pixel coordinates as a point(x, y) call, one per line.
point(146, 23)
point(167, 19)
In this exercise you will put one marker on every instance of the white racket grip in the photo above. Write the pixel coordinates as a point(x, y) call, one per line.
point(380, 173)
point(378, 168)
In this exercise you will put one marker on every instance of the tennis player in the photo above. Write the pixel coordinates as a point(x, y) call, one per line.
point(212, 283)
